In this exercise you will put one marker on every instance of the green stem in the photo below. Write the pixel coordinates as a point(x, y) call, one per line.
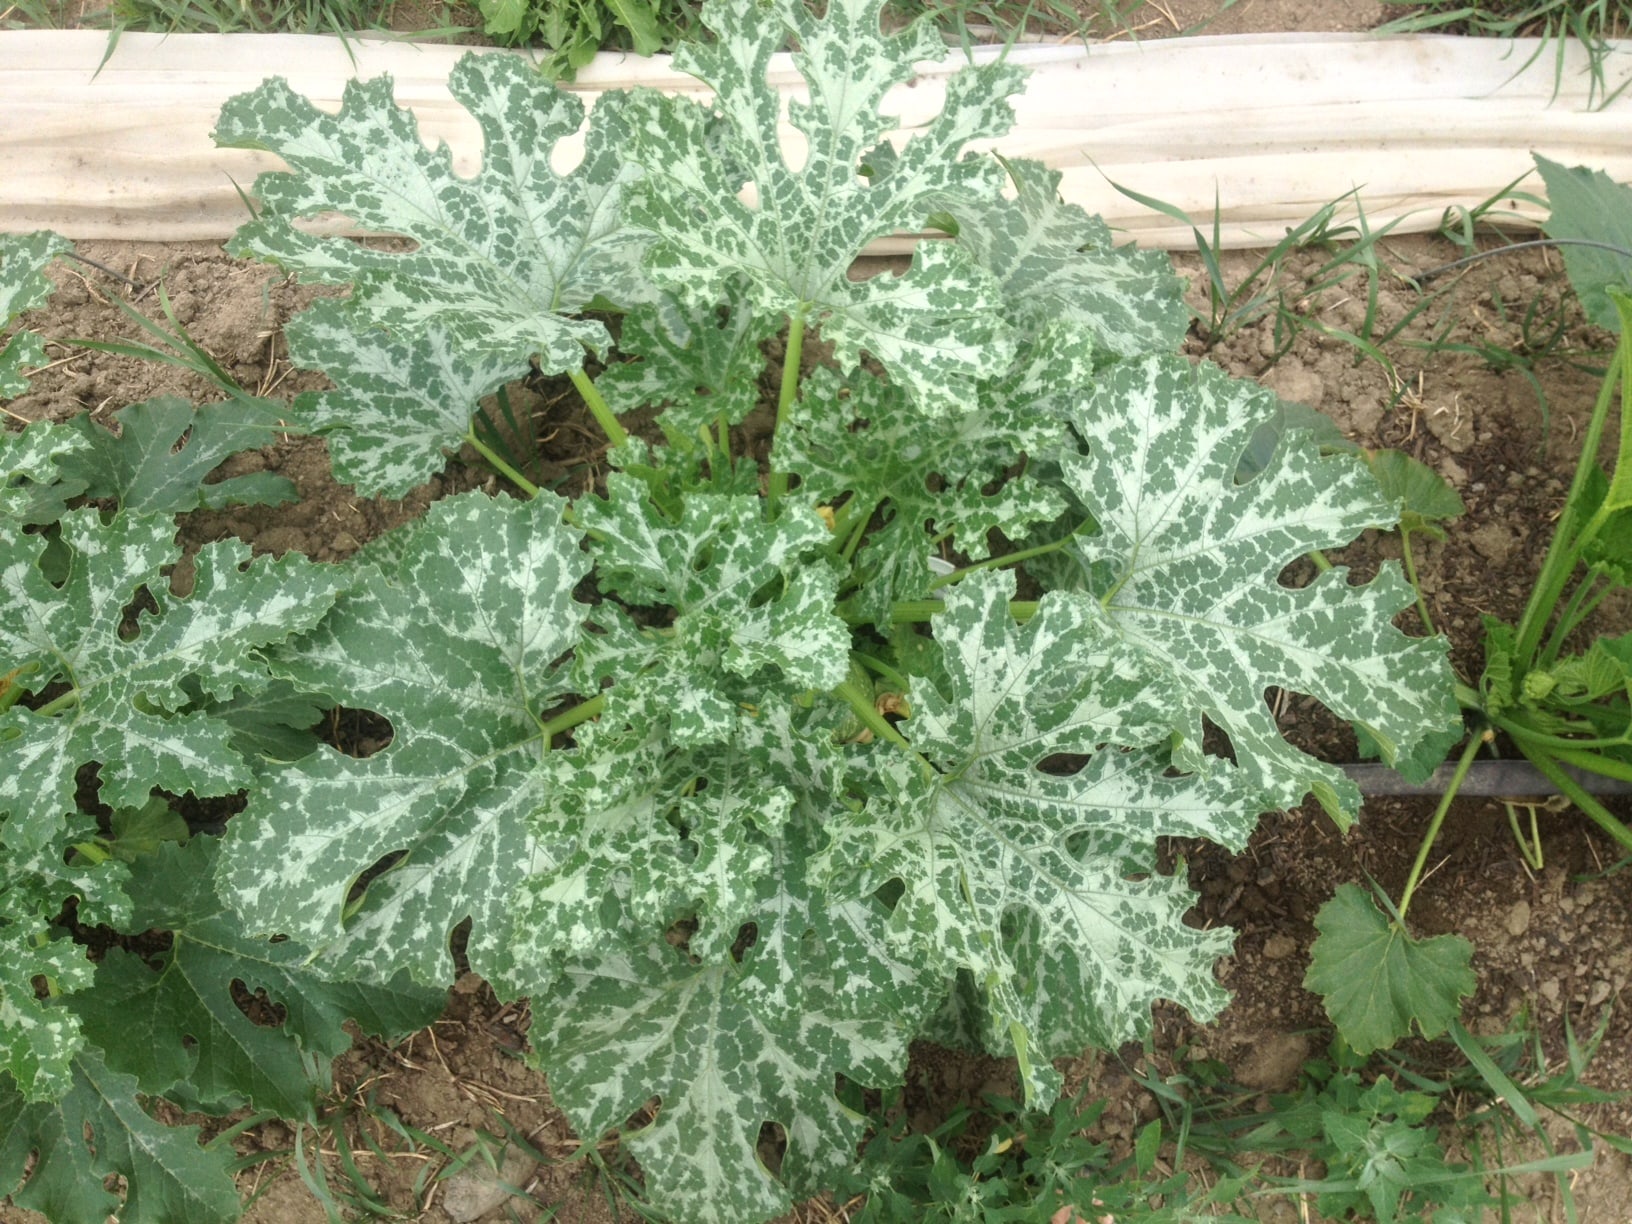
point(1014, 558)
point(1565, 544)
point(881, 668)
point(861, 703)
point(11, 691)
point(1609, 767)
point(791, 358)
point(1319, 558)
point(1577, 610)
point(67, 701)
point(1543, 741)
point(497, 461)
point(1572, 790)
point(1462, 767)
point(859, 532)
point(598, 407)
point(1411, 576)
point(1530, 847)
point(568, 719)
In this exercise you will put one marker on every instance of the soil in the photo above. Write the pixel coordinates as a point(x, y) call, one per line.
point(1552, 944)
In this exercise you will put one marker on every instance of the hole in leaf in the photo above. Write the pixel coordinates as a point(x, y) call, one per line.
point(130, 614)
point(889, 893)
point(644, 1116)
point(773, 1146)
point(255, 1004)
point(747, 937)
point(359, 886)
point(357, 733)
point(1062, 764)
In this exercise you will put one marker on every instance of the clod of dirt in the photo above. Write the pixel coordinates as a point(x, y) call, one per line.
point(1274, 1062)
point(479, 1189)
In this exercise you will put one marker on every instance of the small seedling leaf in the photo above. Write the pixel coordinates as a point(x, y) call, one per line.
point(1425, 498)
point(1377, 980)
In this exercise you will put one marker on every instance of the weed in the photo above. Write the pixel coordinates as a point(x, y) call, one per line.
point(1593, 24)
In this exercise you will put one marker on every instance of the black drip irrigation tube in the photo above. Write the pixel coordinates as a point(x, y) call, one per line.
point(1486, 779)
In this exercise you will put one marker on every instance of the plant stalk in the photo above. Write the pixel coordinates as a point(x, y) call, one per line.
point(792, 356)
point(598, 407)
point(1564, 548)
point(1462, 767)
point(498, 462)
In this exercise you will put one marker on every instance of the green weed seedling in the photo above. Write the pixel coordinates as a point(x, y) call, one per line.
point(710, 762)
point(1593, 24)
point(1565, 703)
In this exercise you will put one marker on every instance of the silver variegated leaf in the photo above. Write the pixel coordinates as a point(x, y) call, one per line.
point(32, 490)
point(938, 327)
point(400, 403)
point(638, 1024)
point(456, 646)
point(502, 259)
point(699, 363)
point(674, 835)
point(992, 823)
point(1057, 262)
point(23, 286)
point(133, 676)
point(1188, 561)
point(749, 597)
point(40, 1037)
point(864, 438)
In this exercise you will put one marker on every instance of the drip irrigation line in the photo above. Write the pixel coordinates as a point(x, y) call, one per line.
point(1486, 779)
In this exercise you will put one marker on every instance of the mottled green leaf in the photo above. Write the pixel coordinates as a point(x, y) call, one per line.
point(32, 488)
point(502, 260)
point(23, 286)
point(456, 646)
point(172, 1020)
point(675, 835)
point(157, 462)
point(39, 1037)
point(864, 438)
point(935, 329)
point(988, 825)
point(1377, 980)
point(1055, 261)
point(57, 1157)
point(750, 598)
point(638, 1024)
point(131, 680)
point(700, 365)
point(1188, 562)
point(400, 403)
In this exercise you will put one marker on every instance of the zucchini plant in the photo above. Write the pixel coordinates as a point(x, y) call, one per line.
point(710, 761)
